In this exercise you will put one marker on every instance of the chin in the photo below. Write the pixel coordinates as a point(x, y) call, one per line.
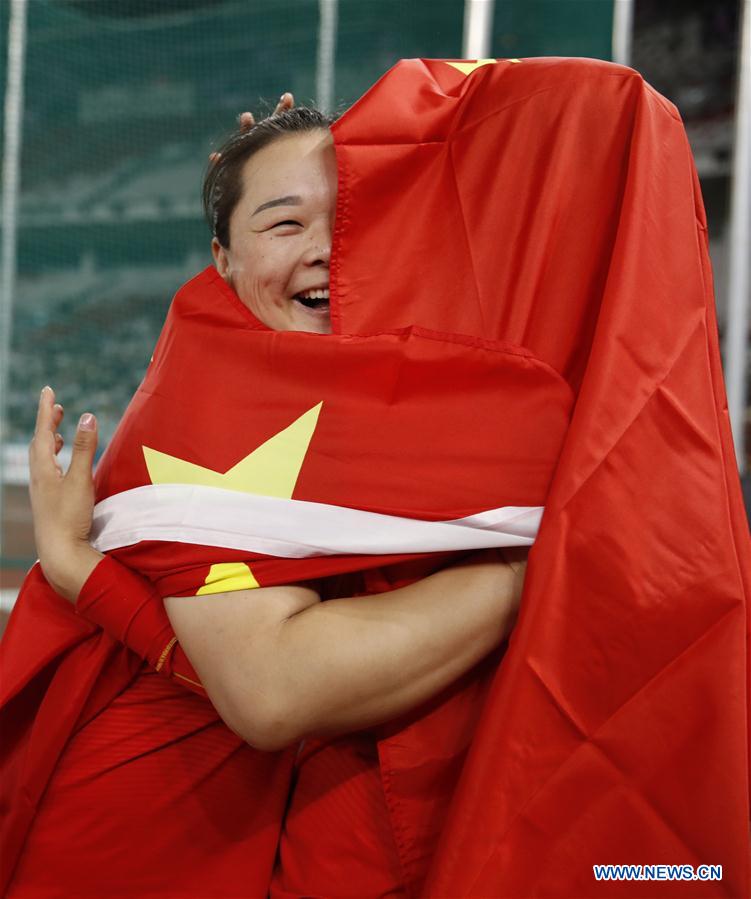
point(314, 322)
point(322, 327)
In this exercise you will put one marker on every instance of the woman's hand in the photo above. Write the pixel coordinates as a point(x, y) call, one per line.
point(62, 504)
point(246, 120)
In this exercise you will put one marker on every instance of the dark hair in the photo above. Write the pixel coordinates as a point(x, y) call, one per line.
point(222, 185)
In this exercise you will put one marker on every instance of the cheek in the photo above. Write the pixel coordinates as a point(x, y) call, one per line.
point(276, 260)
point(265, 276)
point(263, 264)
point(251, 263)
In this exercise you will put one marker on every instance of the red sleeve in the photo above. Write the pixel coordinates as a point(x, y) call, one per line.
point(127, 607)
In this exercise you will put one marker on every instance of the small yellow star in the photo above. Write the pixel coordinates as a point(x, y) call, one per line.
point(226, 577)
point(467, 67)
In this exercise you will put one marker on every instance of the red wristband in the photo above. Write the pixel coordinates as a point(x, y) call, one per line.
point(128, 608)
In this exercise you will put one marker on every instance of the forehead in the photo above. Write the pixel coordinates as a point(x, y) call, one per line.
point(302, 164)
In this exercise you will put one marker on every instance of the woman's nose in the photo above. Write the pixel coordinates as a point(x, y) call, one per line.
point(319, 251)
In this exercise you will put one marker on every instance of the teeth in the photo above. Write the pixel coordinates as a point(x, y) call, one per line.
point(322, 294)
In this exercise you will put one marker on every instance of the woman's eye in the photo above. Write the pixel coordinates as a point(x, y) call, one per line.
point(286, 222)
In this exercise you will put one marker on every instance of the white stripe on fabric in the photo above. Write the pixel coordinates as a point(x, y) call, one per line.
point(291, 528)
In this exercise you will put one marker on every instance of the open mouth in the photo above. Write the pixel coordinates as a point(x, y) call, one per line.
point(314, 300)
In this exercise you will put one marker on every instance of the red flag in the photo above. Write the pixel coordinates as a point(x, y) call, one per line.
point(277, 457)
point(548, 209)
point(559, 201)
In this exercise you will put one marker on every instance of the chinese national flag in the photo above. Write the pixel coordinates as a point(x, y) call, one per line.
point(523, 317)
point(252, 457)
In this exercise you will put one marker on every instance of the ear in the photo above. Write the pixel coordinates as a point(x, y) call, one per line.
point(221, 259)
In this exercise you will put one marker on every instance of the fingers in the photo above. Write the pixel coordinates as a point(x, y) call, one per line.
point(42, 462)
point(47, 443)
point(84, 447)
point(246, 120)
point(286, 101)
point(45, 409)
point(57, 417)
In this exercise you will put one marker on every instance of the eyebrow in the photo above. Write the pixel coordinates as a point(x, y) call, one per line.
point(280, 201)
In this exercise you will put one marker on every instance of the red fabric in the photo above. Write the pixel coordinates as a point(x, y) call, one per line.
point(616, 727)
point(337, 838)
point(117, 780)
point(551, 205)
point(128, 608)
point(389, 402)
point(154, 796)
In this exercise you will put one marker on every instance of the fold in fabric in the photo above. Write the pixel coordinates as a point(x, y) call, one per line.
point(559, 200)
point(293, 529)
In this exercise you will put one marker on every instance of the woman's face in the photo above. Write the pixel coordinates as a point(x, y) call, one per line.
point(280, 233)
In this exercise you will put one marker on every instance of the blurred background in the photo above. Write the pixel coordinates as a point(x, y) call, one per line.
point(116, 104)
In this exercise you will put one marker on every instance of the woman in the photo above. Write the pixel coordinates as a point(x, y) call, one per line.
point(271, 198)
point(591, 741)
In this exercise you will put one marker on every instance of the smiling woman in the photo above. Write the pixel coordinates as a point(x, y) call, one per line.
point(540, 232)
point(144, 765)
point(270, 198)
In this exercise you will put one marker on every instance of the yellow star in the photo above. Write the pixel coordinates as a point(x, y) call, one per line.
point(226, 577)
point(468, 66)
point(270, 470)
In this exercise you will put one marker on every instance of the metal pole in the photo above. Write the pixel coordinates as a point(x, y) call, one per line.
point(623, 31)
point(478, 29)
point(325, 63)
point(736, 334)
point(13, 122)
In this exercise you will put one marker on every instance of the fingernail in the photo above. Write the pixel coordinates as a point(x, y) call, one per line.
point(45, 389)
point(87, 422)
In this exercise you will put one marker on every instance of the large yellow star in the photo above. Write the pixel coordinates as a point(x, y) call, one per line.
point(270, 470)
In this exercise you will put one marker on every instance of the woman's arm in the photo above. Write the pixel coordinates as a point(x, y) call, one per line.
point(276, 662)
point(279, 664)
point(105, 592)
